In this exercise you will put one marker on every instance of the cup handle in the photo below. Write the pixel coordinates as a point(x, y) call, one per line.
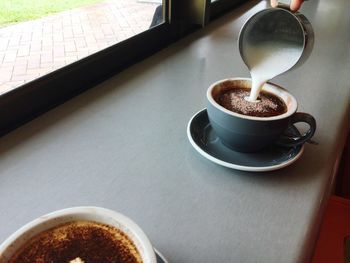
point(291, 138)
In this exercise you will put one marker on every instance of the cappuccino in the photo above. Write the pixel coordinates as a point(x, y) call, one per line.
point(267, 104)
point(79, 242)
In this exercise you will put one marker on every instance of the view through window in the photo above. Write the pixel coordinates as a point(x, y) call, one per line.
point(33, 44)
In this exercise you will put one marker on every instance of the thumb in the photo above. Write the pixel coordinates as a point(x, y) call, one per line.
point(274, 3)
point(295, 5)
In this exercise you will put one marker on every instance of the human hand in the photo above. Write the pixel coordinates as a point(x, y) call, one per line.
point(294, 4)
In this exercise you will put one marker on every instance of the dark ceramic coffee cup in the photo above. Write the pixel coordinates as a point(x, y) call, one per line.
point(249, 133)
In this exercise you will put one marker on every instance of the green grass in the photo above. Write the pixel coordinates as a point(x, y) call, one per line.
point(14, 11)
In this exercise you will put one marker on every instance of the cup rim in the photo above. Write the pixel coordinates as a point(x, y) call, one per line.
point(267, 87)
point(148, 256)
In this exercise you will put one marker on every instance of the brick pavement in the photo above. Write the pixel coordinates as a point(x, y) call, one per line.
point(34, 48)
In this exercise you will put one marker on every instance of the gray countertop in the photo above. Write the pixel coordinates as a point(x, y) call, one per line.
point(123, 146)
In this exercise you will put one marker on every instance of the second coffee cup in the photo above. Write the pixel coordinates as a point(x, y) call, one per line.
point(79, 234)
point(246, 133)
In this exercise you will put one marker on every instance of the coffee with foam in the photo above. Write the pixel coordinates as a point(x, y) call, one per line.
point(79, 242)
point(233, 99)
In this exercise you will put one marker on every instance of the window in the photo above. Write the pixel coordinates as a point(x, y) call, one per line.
point(171, 20)
point(82, 72)
point(39, 43)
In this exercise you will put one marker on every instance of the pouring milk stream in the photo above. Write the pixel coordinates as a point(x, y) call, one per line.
point(268, 61)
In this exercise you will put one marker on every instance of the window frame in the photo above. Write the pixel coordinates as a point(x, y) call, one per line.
point(31, 99)
point(219, 7)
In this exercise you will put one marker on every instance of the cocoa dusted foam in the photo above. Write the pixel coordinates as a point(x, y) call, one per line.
point(268, 104)
point(79, 242)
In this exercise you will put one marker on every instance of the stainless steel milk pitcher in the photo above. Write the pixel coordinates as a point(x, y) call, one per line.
point(275, 27)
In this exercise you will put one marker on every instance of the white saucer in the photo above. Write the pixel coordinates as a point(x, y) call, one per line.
point(205, 141)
